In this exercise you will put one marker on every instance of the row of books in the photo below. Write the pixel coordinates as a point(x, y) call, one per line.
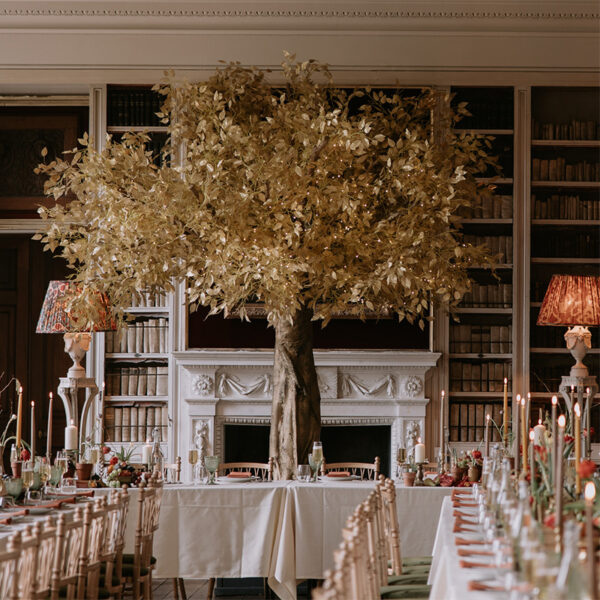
point(488, 295)
point(490, 207)
point(142, 337)
point(578, 244)
point(487, 376)
point(495, 339)
point(133, 107)
point(135, 423)
point(149, 300)
point(557, 169)
point(496, 244)
point(126, 380)
point(565, 207)
point(467, 421)
point(575, 130)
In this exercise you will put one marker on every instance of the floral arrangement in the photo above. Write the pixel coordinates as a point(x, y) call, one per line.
point(120, 471)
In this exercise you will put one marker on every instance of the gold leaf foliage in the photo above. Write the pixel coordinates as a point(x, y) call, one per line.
point(301, 194)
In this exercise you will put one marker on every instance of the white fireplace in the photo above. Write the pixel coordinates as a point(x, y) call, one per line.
point(214, 388)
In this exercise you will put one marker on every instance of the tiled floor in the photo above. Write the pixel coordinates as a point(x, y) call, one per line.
point(195, 589)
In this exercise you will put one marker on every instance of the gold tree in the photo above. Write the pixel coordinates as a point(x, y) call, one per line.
point(307, 198)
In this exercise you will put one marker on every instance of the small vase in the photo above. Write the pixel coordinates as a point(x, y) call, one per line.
point(84, 471)
point(16, 468)
point(409, 478)
point(457, 473)
point(474, 473)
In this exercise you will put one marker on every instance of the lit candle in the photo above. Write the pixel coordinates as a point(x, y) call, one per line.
point(33, 432)
point(558, 495)
point(19, 419)
point(528, 411)
point(101, 414)
point(590, 494)
point(539, 433)
point(524, 435)
point(577, 447)
point(505, 413)
point(71, 437)
point(487, 435)
point(147, 453)
point(571, 407)
point(532, 458)
point(442, 449)
point(49, 433)
point(419, 452)
point(516, 434)
point(588, 423)
point(554, 408)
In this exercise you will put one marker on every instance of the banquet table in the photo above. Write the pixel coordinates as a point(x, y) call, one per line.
point(446, 577)
point(283, 530)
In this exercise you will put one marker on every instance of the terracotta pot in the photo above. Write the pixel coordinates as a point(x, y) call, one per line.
point(84, 471)
point(458, 473)
point(409, 478)
point(474, 473)
point(16, 468)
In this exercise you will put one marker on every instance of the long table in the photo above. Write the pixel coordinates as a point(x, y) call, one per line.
point(284, 531)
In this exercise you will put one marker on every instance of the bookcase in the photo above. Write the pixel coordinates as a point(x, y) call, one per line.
point(564, 220)
point(136, 360)
point(480, 346)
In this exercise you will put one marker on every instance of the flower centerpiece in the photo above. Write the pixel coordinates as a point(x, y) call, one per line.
point(475, 462)
point(120, 470)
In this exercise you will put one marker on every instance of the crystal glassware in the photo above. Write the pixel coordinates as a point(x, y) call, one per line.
point(27, 474)
point(317, 456)
point(303, 473)
point(193, 459)
point(212, 464)
point(314, 467)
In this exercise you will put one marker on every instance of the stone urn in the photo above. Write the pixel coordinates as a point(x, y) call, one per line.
point(474, 473)
point(409, 478)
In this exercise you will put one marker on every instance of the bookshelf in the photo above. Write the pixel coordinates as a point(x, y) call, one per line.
point(564, 221)
point(480, 343)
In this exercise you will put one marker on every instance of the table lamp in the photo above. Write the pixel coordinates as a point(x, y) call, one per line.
point(573, 301)
point(55, 318)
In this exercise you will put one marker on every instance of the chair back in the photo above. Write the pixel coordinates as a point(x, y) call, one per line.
point(69, 552)
point(263, 471)
point(95, 525)
point(392, 532)
point(172, 471)
point(9, 564)
point(363, 470)
point(37, 551)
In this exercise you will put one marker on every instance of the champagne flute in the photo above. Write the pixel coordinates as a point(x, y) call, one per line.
point(193, 459)
point(313, 466)
point(27, 475)
point(212, 464)
point(317, 455)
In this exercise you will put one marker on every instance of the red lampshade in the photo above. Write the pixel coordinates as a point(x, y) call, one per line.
point(571, 300)
point(54, 317)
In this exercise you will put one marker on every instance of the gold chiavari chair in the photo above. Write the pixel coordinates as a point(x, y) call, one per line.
point(36, 559)
point(95, 526)
point(69, 552)
point(360, 469)
point(114, 542)
point(173, 470)
point(9, 574)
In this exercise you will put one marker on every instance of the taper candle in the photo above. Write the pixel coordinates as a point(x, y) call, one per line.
point(71, 436)
point(577, 436)
point(528, 411)
point(558, 486)
point(554, 408)
point(19, 419)
point(571, 407)
point(588, 423)
point(516, 430)
point(49, 432)
point(487, 435)
point(505, 413)
point(419, 452)
point(523, 436)
point(442, 449)
point(539, 433)
point(532, 458)
point(33, 431)
point(590, 494)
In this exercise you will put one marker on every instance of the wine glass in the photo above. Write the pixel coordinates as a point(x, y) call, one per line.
point(313, 466)
point(212, 464)
point(27, 475)
point(193, 459)
point(62, 462)
point(317, 454)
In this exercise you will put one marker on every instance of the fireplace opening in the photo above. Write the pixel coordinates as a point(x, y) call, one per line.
point(341, 443)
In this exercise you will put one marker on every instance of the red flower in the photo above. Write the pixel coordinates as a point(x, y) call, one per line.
point(25, 454)
point(586, 468)
point(105, 449)
point(114, 460)
point(550, 520)
point(569, 439)
point(477, 454)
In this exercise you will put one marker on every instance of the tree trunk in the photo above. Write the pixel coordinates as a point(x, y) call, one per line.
point(296, 412)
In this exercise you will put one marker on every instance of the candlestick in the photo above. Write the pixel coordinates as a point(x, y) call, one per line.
point(505, 413)
point(147, 454)
point(554, 407)
point(558, 496)
point(577, 447)
point(571, 407)
point(49, 432)
point(590, 494)
point(539, 432)
point(487, 435)
point(33, 431)
point(588, 423)
point(442, 449)
point(419, 452)
point(524, 435)
point(19, 419)
point(71, 437)
point(516, 434)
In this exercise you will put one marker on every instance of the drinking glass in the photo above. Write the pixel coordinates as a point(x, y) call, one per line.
point(317, 454)
point(33, 497)
point(314, 467)
point(304, 473)
point(62, 462)
point(212, 464)
point(27, 474)
point(69, 485)
point(193, 459)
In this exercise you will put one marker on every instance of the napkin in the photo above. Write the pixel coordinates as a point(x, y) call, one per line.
point(239, 474)
point(463, 542)
point(465, 564)
point(461, 492)
point(460, 504)
point(335, 474)
point(466, 552)
point(6, 521)
point(479, 586)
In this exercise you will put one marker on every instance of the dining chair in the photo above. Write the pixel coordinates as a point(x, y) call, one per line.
point(363, 470)
point(9, 564)
point(263, 471)
point(36, 559)
point(173, 470)
point(69, 550)
point(95, 529)
point(114, 541)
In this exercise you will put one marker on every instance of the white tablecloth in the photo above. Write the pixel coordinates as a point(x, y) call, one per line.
point(448, 580)
point(285, 531)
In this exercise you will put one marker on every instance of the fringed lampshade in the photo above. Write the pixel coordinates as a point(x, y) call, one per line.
point(54, 318)
point(573, 301)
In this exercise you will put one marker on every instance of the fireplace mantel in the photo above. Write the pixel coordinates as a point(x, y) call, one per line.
point(358, 387)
